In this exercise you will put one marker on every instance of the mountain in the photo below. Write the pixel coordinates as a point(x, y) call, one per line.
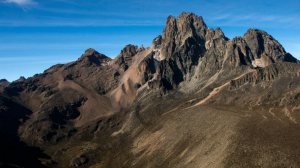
point(193, 99)
point(3, 84)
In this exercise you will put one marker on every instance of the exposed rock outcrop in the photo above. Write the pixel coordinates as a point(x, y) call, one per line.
point(78, 161)
point(147, 68)
point(4, 82)
point(91, 56)
point(268, 73)
point(21, 79)
point(124, 59)
point(191, 50)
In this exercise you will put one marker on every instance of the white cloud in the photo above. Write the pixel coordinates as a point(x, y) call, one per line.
point(21, 2)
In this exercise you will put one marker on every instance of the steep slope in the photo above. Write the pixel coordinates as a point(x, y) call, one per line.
point(62, 94)
point(73, 94)
point(12, 115)
point(193, 52)
point(194, 99)
point(3, 84)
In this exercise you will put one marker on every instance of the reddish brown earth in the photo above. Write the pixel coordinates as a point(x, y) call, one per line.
point(194, 99)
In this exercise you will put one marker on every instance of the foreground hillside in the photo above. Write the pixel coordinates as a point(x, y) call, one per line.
point(193, 99)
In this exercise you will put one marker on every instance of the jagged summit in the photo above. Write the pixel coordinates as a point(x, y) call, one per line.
point(21, 79)
point(262, 44)
point(124, 59)
point(4, 82)
point(92, 56)
point(190, 50)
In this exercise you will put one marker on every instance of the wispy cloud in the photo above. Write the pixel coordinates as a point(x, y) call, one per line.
point(58, 61)
point(43, 46)
point(38, 58)
point(78, 22)
point(21, 2)
point(220, 17)
point(254, 20)
point(67, 2)
point(4, 59)
point(98, 12)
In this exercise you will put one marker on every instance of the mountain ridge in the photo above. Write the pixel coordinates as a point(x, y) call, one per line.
point(110, 104)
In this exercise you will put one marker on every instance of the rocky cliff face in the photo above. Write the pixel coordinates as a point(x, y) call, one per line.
point(124, 59)
point(189, 50)
point(114, 104)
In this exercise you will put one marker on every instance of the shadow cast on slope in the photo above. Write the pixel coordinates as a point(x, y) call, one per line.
point(15, 153)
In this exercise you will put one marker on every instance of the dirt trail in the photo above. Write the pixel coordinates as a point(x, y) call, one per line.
point(217, 90)
point(211, 94)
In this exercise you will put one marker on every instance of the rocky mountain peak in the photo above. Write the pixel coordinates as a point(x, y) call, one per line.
point(91, 56)
point(189, 49)
point(156, 43)
point(178, 30)
point(90, 51)
point(4, 82)
point(129, 50)
point(21, 79)
point(261, 42)
point(219, 33)
point(264, 47)
point(93, 53)
point(142, 47)
point(191, 18)
point(124, 59)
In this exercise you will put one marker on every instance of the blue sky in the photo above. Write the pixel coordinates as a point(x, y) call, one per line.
point(35, 34)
